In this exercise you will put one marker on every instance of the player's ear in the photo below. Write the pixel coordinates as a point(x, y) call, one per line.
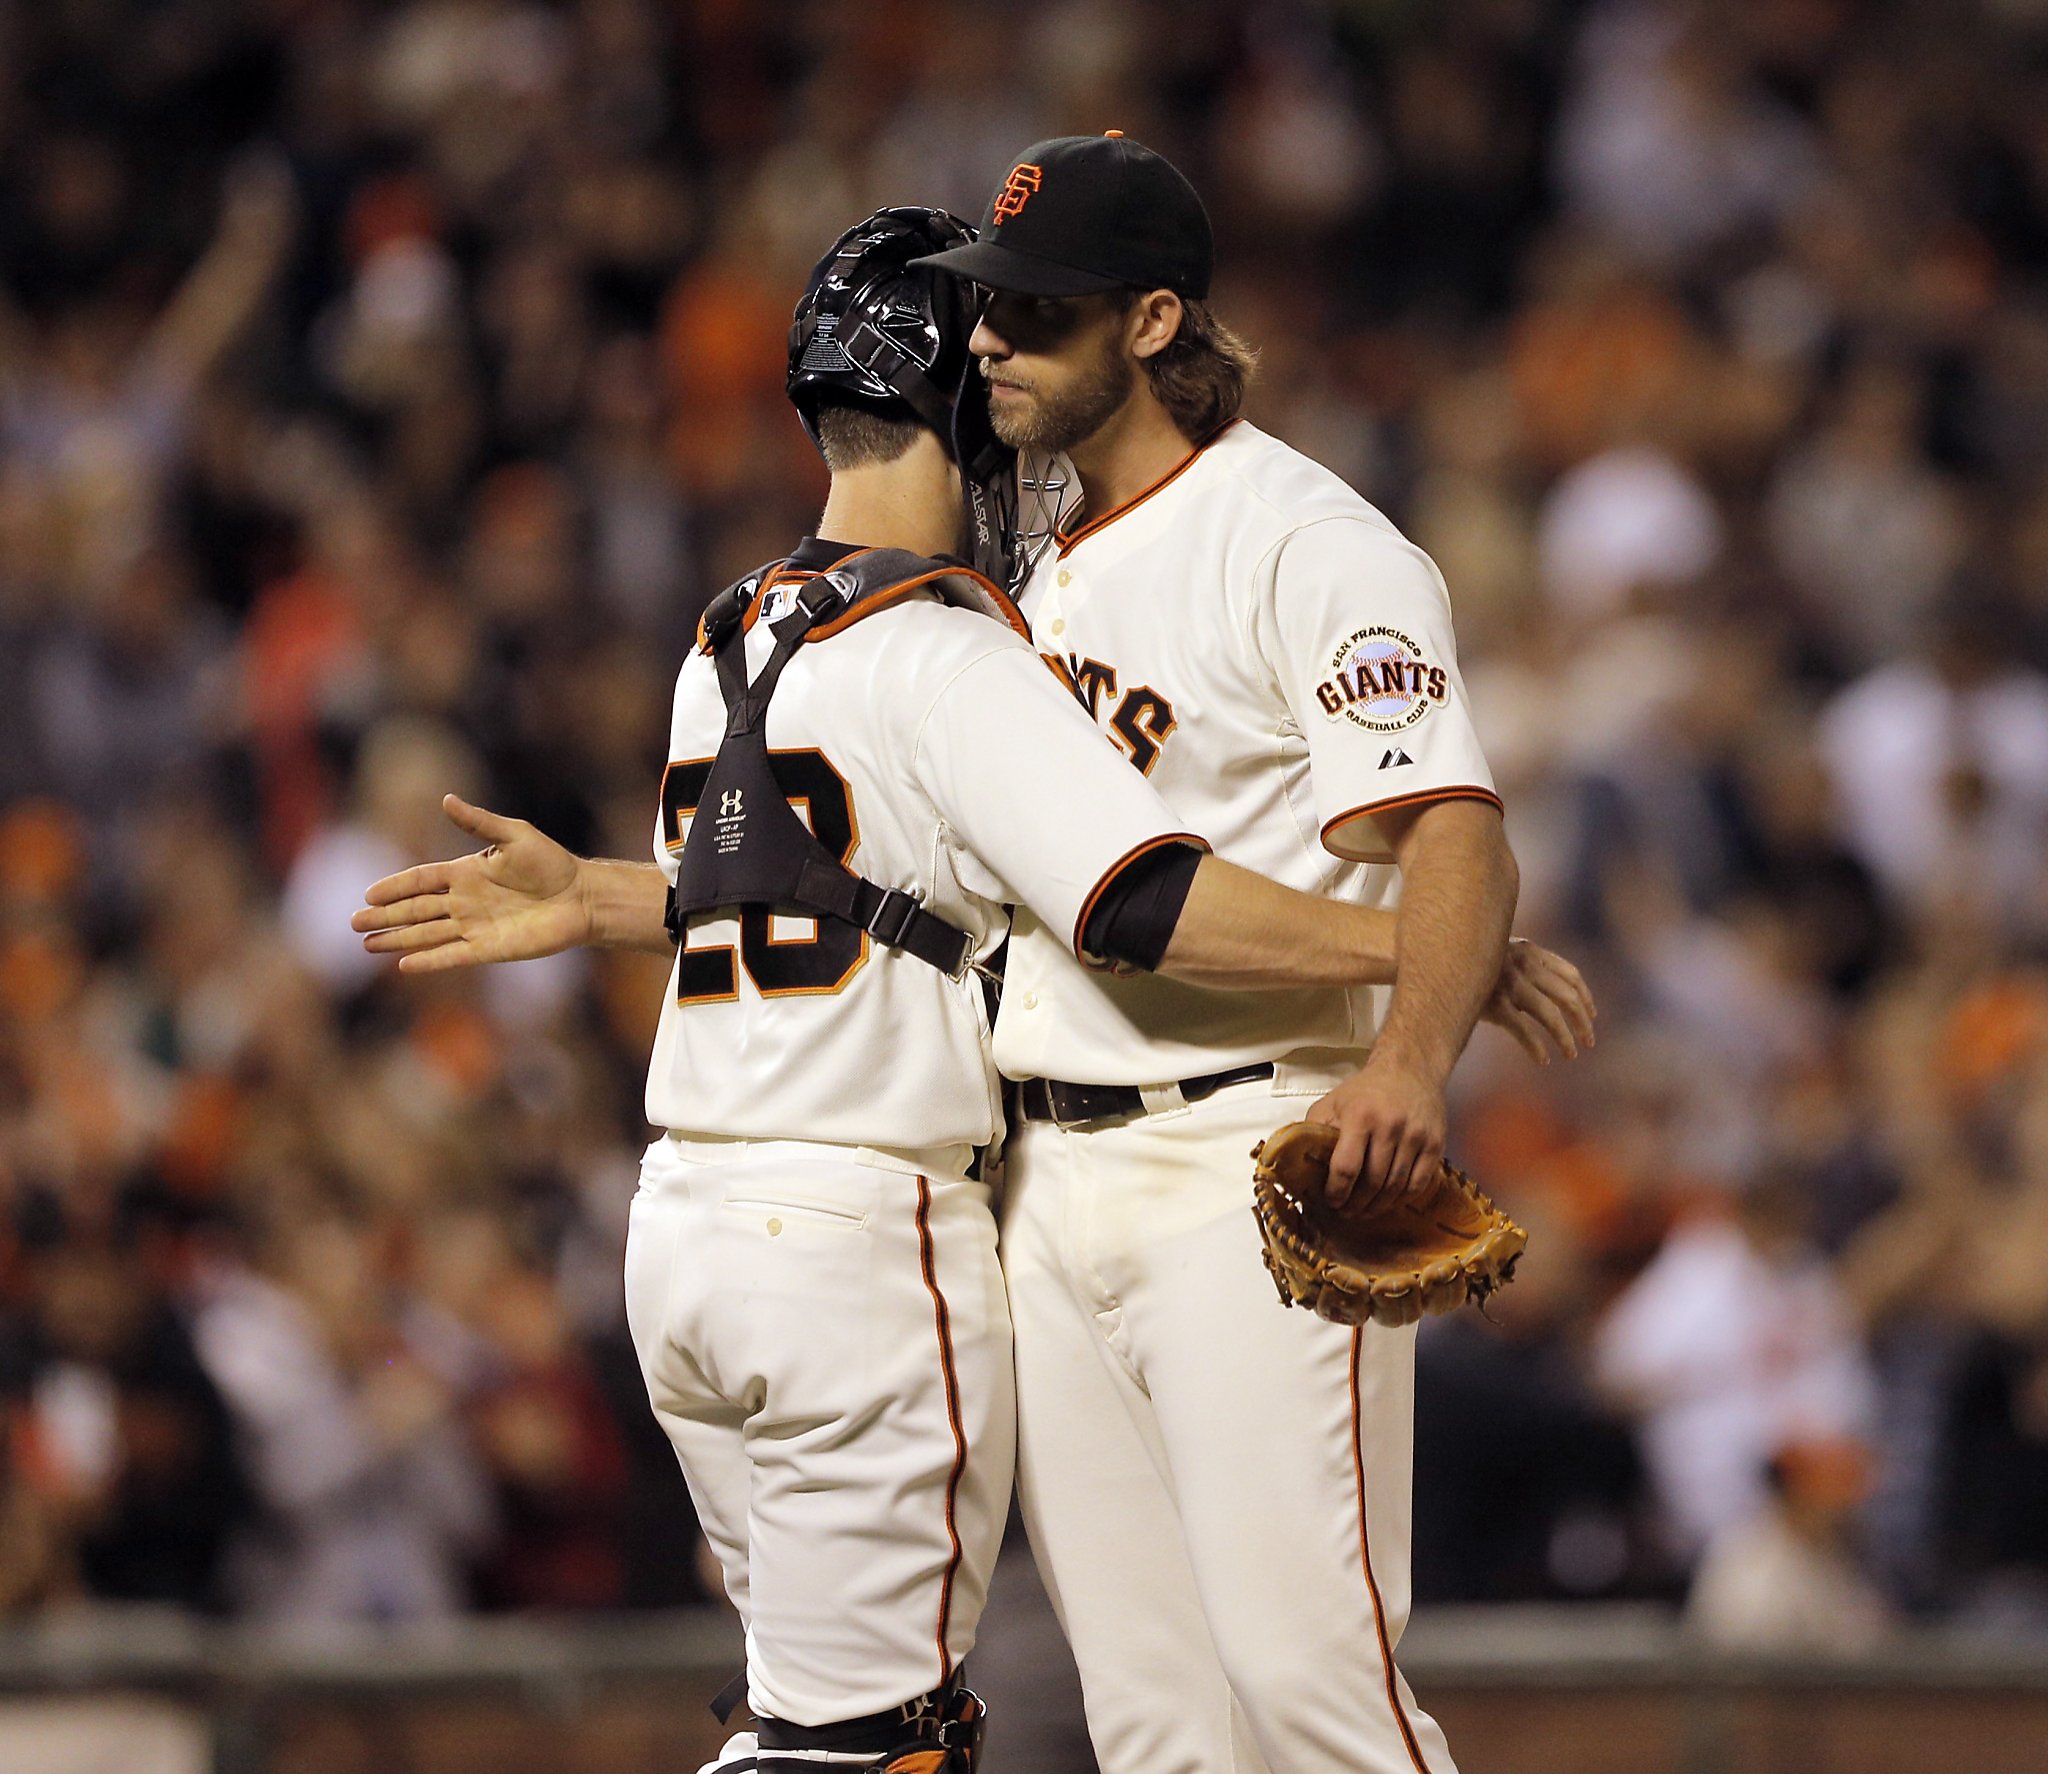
point(1153, 322)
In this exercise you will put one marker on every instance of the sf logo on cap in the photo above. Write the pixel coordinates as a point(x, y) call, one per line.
point(1016, 192)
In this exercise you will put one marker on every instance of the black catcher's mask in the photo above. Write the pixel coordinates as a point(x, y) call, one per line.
point(872, 329)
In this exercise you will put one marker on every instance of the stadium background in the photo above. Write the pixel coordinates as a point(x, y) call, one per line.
point(384, 386)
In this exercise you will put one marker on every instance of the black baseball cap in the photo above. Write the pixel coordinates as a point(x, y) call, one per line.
point(1080, 214)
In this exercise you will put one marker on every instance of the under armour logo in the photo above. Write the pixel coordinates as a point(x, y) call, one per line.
point(1017, 189)
point(730, 803)
point(1394, 759)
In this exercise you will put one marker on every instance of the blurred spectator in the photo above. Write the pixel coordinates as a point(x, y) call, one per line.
point(1669, 143)
point(120, 1441)
point(1959, 1314)
point(500, 1334)
point(96, 397)
point(640, 533)
point(1940, 769)
point(1731, 1343)
point(1863, 525)
point(129, 703)
point(1785, 1579)
point(1625, 520)
point(372, 1500)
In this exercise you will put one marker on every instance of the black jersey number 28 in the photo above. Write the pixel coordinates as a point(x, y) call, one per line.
point(780, 967)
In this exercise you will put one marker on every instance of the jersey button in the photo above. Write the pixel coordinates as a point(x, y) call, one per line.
point(1059, 628)
point(774, 1228)
point(1030, 1000)
point(1066, 577)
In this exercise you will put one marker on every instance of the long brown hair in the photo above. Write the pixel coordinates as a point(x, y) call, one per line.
point(1201, 377)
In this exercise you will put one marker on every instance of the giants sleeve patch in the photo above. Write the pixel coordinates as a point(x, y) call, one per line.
point(1378, 679)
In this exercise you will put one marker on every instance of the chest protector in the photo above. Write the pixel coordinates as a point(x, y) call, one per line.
point(746, 845)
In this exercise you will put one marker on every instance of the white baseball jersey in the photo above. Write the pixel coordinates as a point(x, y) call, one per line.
point(939, 757)
point(1278, 661)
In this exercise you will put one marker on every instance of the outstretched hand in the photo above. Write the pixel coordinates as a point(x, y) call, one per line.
point(517, 900)
point(1543, 1001)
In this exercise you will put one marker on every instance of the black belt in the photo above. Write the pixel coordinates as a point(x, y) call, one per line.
point(1051, 1099)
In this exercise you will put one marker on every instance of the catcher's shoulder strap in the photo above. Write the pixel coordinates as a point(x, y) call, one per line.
point(746, 845)
point(865, 581)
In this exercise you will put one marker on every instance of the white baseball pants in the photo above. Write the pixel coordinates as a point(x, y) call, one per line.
point(825, 1338)
point(1217, 1489)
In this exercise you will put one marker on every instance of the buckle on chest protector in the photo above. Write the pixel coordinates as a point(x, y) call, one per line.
point(892, 920)
point(824, 596)
point(892, 917)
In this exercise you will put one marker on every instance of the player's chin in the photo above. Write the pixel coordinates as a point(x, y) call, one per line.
point(1013, 417)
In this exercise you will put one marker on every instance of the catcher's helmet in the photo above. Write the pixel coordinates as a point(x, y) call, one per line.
point(873, 329)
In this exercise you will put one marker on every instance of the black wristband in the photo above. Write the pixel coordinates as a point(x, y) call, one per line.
point(1134, 917)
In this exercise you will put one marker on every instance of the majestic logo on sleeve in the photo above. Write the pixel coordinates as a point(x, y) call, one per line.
point(1380, 680)
point(1017, 190)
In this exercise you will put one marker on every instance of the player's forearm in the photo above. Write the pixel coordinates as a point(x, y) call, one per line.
point(1458, 888)
point(1240, 931)
point(624, 903)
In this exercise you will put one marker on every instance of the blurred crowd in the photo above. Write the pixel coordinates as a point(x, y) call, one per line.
point(385, 385)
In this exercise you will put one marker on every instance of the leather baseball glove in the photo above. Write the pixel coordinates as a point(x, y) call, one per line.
point(1390, 1257)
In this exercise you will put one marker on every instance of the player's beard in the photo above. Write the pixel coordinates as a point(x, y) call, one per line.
point(1055, 422)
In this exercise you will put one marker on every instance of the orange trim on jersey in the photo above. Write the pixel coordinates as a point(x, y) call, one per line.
point(836, 987)
point(1379, 1617)
point(782, 575)
point(869, 605)
point(881, 600)
point(1123, 862)
point(1470, 791)
point(1067, 541)
point(945, 1326)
